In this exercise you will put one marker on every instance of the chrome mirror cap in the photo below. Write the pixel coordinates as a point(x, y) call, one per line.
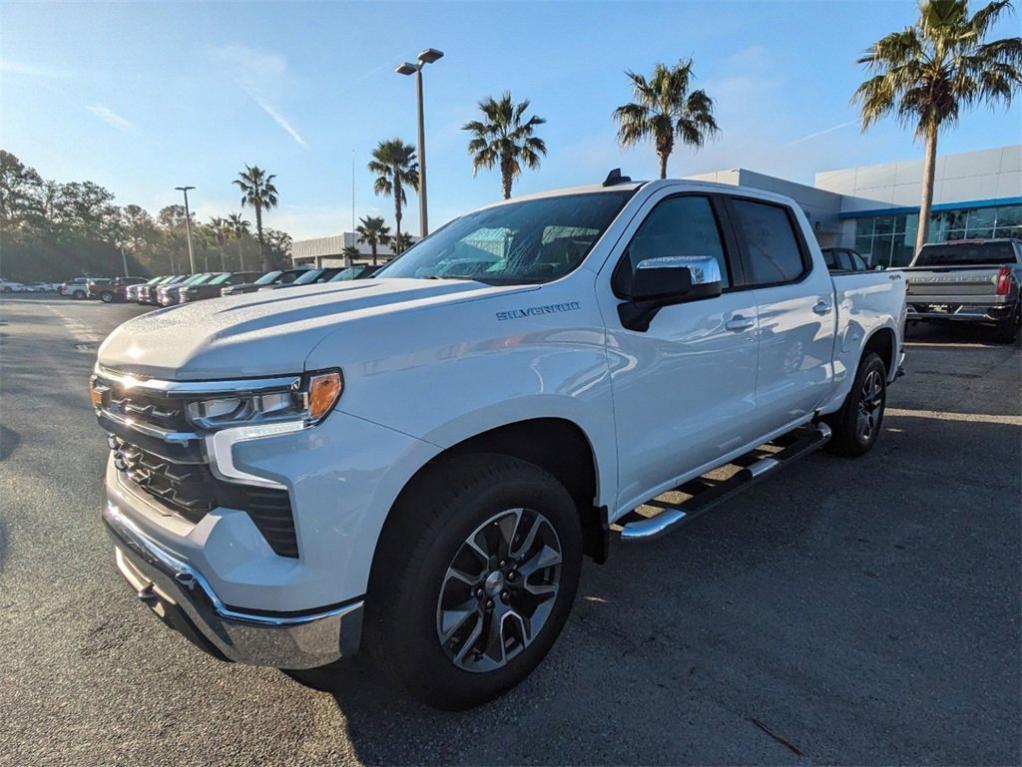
point(705, 270)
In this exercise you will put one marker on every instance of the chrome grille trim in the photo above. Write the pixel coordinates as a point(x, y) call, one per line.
point(198, 388)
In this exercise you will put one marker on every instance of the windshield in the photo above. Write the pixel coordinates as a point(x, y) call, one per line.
point(346, 274)
point(310, 276)
point(966, 254)
point(220, 278)
point(267, 278)
point(532, 241)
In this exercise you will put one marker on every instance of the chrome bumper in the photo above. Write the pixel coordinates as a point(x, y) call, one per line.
point(959, 312)
point(183, 599)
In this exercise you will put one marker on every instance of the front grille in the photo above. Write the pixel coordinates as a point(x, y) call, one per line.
point(149, 408)
point(191, 490)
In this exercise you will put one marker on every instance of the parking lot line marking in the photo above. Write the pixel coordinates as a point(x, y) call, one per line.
point(1009, 420)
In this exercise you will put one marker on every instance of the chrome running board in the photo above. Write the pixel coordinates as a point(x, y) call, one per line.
point(805, 441)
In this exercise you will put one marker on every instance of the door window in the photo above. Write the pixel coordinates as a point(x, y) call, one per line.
point(678, 226)
point(771, 245)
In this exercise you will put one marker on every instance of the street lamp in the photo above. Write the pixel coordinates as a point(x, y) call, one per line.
point(188, 227)
point(427, 56)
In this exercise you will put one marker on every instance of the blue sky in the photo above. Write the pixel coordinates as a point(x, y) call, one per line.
point(145, 97)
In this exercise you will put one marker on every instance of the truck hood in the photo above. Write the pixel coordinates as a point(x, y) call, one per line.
point(268, 333)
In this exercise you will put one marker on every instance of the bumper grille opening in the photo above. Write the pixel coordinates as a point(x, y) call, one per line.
point(191, 490)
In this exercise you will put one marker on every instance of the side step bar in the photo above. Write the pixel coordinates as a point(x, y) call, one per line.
point(807, 441)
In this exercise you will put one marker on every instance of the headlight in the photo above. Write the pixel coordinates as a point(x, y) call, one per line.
point(307, 404)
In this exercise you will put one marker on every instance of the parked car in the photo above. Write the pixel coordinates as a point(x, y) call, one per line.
point(212, 288)
point(974, 281)
point(167, 295)
point(355, 272)
point(844, 260)
point(276, 277)
point(132, 292)
point(76, 288)
point(94, 286)
point(116, 290)
point(9, 286)
point(310, 277)
point(147, 293)
point(417, 465)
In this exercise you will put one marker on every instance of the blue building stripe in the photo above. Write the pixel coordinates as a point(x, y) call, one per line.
point(936, 208)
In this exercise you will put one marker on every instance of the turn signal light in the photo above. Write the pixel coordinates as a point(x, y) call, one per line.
point(1003, 281)
point(324, 389)
point(95, 394)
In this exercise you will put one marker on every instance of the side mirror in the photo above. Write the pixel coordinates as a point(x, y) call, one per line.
point(659, 282)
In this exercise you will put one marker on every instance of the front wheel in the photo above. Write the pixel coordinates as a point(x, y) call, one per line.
point(856, 425)
point(106, 297)
point(473, 579)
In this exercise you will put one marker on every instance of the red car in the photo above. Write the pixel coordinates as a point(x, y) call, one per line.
point(115, 290)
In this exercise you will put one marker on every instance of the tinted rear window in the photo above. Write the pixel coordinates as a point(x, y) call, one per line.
point(966, 254)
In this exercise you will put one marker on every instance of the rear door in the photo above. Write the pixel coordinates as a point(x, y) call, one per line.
point(795, 308)
point(684, 389)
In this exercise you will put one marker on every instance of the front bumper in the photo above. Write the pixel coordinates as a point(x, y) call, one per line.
point(184, 600)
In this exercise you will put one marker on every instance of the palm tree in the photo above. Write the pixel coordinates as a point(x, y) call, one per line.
point(239, 227)
point(665, 110)
point(395, 166)
point(221, 233)
point(926, 73)
point(373, 232)
point(350, 253)
point(402, 242)
point(257, 190)
point(503, 137)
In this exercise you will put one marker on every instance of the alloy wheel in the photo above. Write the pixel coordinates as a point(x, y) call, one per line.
point(871, 401)
point(499, 590)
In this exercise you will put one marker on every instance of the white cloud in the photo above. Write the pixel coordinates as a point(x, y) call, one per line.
point(110, 117)
point(262, 76)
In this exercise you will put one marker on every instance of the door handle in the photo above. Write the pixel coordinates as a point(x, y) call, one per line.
point(822, 307)
point(738, 323)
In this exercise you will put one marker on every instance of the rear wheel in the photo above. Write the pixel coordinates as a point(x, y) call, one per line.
point(106, 297)
point(1007, 330)
point(78, 295)
point(856, 425)
point(473, 579)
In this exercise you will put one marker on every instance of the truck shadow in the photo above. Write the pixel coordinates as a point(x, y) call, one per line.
point(779, 627)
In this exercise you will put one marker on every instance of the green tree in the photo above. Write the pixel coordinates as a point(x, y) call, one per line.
point(350, 253)
point(279, 244)
point(257, 190)
point(928, 72)
point(221, 231)
point(20, 191)
point(402, 242)
point(239, 229)
point(395, 167)
point(666, 111)
point(373, 232)
point(505, 137)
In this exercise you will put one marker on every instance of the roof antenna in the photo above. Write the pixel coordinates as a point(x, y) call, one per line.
point(615, 177)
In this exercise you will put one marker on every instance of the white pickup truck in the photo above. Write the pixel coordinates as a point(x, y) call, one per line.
point(417, 463)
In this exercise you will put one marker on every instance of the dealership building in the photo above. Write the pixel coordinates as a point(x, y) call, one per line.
point(875, 208)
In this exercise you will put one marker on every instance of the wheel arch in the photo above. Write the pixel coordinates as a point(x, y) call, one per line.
point(556, 444)
point(884, 342)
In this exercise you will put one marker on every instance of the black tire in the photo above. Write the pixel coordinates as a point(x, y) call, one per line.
point(78, 295)
point(411, 581)
point(106, 297)
point(850, 438)
point(1007, 330)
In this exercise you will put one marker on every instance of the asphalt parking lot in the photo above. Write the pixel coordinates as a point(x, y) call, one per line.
point(847, 612)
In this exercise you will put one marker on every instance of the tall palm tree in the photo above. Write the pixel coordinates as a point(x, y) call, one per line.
point(373, 232)
point(926, 73)
point(666, 111)
point(257, 190)
point(506, 137)
point(239, 227)
point(395, 167)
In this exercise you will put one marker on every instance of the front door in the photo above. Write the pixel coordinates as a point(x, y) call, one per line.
point(684, 389)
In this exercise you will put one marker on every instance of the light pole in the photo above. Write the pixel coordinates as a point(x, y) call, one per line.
point(427, 56)
point(188, 227)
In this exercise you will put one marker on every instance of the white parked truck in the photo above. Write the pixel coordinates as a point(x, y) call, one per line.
point(416, 464)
